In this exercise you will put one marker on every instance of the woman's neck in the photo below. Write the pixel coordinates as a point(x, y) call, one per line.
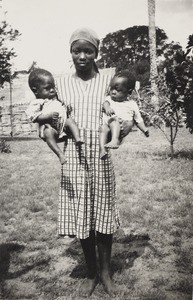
point(86, 75)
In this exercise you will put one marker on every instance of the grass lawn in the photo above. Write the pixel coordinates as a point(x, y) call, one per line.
point(152, 255)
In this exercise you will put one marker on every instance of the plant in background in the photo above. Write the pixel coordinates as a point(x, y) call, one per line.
point(172, 81)
point(4, 146)
point(128, 46)
point(188, 90)
point(7, 34)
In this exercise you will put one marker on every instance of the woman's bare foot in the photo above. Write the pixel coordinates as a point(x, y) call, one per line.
point(88, 286)
point(108, 284)
point(62, 159)
point(113, 144)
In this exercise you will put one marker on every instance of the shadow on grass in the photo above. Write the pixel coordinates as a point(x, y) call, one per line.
point(5, 258)
point(165, 155)
point(126, 248)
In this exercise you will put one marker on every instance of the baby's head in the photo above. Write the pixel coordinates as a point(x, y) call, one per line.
point(122, 85)
point(42, 84)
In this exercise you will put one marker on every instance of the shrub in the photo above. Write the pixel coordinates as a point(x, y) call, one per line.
point(4, 147)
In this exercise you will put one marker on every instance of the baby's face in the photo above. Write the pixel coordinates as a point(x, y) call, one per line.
point(46, 88)
point(118, 90)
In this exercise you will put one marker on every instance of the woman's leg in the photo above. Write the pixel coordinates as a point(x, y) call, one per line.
point(104, 243)
point(89, 250)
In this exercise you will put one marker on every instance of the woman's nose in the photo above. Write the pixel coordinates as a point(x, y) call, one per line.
point(82, 55)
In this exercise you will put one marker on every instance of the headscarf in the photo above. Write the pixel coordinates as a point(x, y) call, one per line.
point(86, 34)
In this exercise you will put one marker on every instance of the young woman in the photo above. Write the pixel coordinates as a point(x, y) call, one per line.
point(88, 202)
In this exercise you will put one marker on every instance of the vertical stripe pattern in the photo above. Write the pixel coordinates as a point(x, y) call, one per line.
point(87, 199)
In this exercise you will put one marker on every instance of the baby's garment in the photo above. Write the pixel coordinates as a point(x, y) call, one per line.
point(46, 106)
point(127, 110)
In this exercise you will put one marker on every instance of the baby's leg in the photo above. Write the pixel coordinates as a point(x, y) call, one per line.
point(50, 136)
point(71, 125)
point(41, 131)
point(126, 126)
point(103, 138)
point(115, 132)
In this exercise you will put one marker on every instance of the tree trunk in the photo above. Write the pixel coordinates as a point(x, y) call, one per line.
point(152, 50)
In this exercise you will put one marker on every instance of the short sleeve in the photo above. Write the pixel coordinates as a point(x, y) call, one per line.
point(34, 109)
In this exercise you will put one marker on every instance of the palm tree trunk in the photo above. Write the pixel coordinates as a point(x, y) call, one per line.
point(152, 50)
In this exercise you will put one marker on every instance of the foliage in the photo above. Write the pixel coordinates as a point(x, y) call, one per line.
point(7, 34)
point(190, 41)
point(188, 98)
point(171, 83)
point(4, 147)
point(127, 46)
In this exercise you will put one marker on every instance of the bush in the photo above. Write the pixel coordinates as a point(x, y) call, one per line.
point(4, 147)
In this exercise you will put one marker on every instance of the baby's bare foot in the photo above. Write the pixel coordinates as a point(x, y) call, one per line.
point(108, 284)
point(113, 145)
point(79, 142)
point(88, 286)
point(103, 154)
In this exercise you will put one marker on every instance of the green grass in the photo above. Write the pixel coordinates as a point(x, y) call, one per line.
point(152, 255)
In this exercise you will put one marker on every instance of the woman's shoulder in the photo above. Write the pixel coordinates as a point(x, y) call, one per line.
point(62, 76)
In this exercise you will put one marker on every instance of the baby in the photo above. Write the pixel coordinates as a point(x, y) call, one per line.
point(119, 108)
point(49, 112)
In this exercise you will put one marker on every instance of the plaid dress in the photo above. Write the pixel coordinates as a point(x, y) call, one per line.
point(87, 199)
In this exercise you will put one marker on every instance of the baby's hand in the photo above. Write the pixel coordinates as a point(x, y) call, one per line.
point(109, 111)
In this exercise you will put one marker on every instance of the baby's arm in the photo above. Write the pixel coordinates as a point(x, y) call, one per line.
point(47, 118)
point(108, 109)
point(143, 128)
point(139, 121)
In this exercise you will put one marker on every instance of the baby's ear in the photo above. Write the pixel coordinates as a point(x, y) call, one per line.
point(34, 90)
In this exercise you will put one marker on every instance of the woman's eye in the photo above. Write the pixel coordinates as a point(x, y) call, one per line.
point(75, 52)
point(89, 52)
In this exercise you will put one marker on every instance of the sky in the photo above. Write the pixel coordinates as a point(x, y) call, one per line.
point(46, 25)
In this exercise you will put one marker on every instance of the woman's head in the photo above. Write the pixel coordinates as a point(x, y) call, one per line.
point(122, 85)
point(42, 84)
point(84, 45)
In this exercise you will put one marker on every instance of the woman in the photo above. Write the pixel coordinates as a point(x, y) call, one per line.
point(87, 206)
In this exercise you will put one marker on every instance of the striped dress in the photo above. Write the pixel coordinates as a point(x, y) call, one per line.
point(87, 199)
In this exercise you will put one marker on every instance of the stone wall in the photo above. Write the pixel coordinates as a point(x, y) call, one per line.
point(13, 120)
point(16, 123)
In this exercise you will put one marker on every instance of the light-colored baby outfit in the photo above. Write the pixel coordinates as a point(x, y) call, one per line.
point(127, 111)
point(46, 106)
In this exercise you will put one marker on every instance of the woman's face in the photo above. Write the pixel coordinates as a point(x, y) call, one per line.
point(83, 55)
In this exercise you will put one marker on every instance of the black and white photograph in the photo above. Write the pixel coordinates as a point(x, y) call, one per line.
point(96, 149)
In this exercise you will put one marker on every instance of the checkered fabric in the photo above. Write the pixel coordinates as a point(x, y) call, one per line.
point(87, 199)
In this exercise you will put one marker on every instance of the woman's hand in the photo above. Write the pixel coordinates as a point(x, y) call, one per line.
point(53, 116)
